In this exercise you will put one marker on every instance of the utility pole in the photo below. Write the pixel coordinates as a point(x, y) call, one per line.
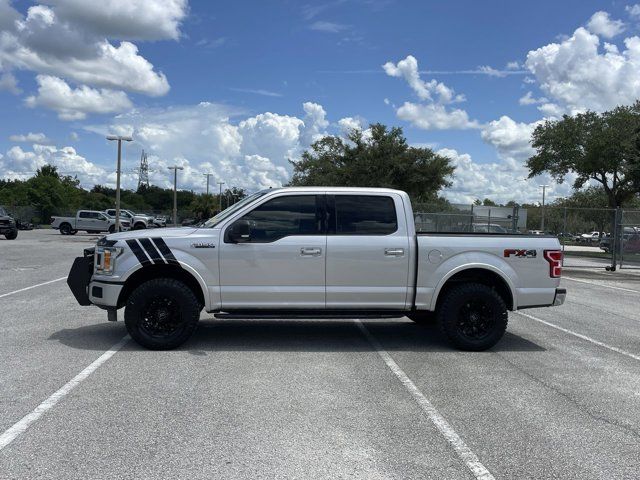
point(220, 197)
point(207, 175)
point(175, 169)
point(544, 188)
point(119, 139)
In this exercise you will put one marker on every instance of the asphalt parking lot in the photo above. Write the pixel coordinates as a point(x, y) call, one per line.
point(558, 397)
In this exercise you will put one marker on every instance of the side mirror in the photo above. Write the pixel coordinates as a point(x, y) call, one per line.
point(239, 232)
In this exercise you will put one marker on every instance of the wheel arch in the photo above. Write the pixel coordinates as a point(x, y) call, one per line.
point(177, 272)
point(481, 273)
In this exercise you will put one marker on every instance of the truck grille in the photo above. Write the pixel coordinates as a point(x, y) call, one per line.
point(4, 222)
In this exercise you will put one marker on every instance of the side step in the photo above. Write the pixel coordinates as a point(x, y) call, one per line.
point(303, 314)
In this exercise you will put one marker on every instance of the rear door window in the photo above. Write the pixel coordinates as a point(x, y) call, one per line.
point(362, 215)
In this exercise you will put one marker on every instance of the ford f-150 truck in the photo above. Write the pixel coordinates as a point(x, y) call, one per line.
point(317, 252)
point(137, 220)
point(87, 220)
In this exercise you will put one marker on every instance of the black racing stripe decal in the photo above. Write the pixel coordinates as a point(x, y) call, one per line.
point(165, 251)
point(137, 250)
point(151, 250)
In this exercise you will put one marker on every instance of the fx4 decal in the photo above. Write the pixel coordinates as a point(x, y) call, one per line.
point(520, 253)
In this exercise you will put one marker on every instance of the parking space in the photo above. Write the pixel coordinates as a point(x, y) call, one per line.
point(558, 397)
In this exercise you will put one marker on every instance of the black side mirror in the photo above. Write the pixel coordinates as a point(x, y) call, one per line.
point(239, 232)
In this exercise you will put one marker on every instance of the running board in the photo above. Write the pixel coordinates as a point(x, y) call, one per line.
point(305, 314)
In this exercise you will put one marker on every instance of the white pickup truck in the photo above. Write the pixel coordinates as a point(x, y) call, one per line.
point(138, 221)
point(318, 252)
point(90, 221)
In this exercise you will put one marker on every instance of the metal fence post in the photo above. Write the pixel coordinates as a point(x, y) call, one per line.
point(615, 241)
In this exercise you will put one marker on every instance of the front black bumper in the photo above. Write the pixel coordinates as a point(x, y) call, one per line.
point(80, 276)
point(4, 229)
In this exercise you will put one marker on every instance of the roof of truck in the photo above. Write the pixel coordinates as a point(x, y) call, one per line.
point(337, 189)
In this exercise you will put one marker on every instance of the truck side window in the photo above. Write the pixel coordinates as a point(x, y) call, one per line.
point(363, 215)
point(285, 216)
point(85, 215)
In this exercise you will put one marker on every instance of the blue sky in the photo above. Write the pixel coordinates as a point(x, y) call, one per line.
point(238, 88)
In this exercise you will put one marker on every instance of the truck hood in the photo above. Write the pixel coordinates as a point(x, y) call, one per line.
point(162, 233)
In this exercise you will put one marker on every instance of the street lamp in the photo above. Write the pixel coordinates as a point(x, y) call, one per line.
point(119, 139)
point(220, 197)
point(175, 169)
point(544, 188)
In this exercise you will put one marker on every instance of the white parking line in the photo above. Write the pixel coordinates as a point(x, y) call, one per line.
point(600, 284)
point(583, 337)
point(32, 286)
point(21, 426)
point(464, 452)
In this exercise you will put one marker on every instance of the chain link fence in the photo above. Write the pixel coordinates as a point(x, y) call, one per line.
point(587, 235)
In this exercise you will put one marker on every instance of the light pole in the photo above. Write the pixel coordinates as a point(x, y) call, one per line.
point(175, 169)
point(220, 197)
point(544, 188)
point(119, 139)
point(207, 175)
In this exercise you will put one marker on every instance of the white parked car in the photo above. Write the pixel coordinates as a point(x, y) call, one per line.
point(318, 252)
point(138, 221)
point(91, 221)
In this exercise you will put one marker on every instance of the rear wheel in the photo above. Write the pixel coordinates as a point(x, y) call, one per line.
point(473, 316)
point(65, 229)
point(162, 314)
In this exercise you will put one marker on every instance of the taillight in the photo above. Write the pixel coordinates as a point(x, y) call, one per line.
point(554, 257)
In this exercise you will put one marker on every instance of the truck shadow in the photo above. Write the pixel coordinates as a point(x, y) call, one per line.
point(290, 335)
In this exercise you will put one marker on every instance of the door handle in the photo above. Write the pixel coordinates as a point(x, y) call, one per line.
point(394, 252)
point(310, 252)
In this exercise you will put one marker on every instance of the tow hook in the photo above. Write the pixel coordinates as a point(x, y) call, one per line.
point(112, 315)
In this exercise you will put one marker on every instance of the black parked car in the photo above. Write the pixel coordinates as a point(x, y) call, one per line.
point(8, 226)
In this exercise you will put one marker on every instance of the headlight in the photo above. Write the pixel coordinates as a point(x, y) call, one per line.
point(105, 259)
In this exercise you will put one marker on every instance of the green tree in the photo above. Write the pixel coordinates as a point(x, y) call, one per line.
point(381, 159)
point(600, 147)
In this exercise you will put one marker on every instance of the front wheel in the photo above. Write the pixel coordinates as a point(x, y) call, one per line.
point(473, 316)
point(162, 314)
point(112, 229)
point(11, 235)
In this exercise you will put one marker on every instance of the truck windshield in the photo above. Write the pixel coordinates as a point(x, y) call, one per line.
point(213, 221)
point(3, 212)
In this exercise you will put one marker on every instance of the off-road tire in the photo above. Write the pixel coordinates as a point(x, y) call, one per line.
point(472, 316)
point(65, 229)
point(161, 314)
point(11, 235)
point(139, 226)
point(112, 229)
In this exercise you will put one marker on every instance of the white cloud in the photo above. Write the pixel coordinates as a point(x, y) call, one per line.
point(498, 181)
point(576, 76)
point(601, 24)
point(21, 164)
point(492, 72)
point(9, 83)
point(30, 137)
point(633, 11)
point(328, 27)
point(435, 117)
point(348, 124)
point(68, 40)
point(125, 19)
point(74, 104)
point(251, 153)
point(528, 99)
point(513, 65)
point(510, 139)
point(408, 69)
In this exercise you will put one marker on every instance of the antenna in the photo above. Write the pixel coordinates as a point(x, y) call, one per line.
point(143, 172)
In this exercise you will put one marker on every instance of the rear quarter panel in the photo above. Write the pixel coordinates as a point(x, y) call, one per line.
point(440, 256)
